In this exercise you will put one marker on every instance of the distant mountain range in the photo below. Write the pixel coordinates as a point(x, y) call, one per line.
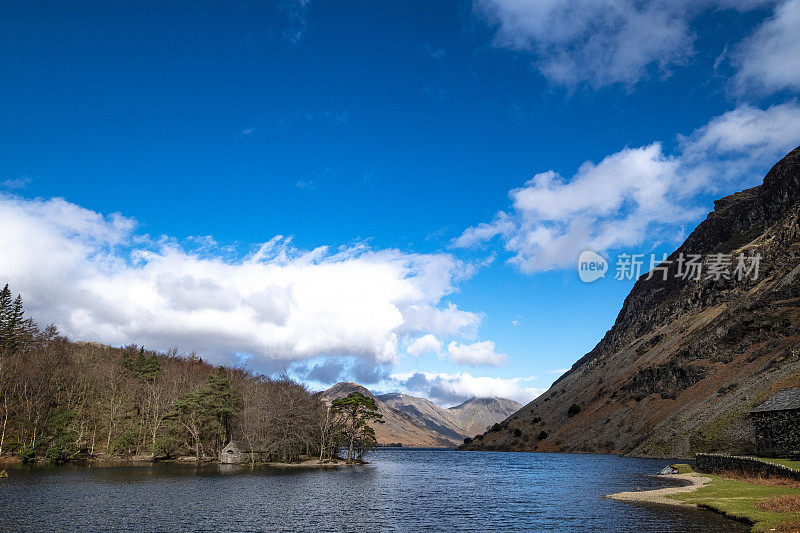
point(413, 421)
point(686, 359)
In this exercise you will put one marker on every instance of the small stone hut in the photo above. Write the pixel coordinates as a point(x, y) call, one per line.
point(231, 454)
point(777, 425)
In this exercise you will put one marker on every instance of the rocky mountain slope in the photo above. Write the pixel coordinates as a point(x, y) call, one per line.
point(468, 419)
point(686, 359)
point(412, 421)
point(476, 415)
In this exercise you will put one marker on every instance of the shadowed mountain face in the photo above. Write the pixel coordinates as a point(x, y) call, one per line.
point(413, 421)
point(686, 359)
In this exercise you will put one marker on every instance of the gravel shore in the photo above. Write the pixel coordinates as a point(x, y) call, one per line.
point(660, 495)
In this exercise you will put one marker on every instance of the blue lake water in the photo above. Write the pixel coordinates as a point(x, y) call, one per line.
point(401, 490)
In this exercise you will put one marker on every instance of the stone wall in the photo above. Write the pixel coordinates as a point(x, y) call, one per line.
point(711, 463)
point(777, 433)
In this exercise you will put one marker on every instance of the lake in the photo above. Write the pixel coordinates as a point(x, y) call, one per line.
point(401, 490)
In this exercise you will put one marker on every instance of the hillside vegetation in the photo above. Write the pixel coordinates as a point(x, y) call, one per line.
point(62, 400)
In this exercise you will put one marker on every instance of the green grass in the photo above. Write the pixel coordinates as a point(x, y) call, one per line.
point(784, 462)
point(682, 468)
point(738, 499)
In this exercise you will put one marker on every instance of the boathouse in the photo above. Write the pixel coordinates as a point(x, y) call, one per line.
point(231, 454)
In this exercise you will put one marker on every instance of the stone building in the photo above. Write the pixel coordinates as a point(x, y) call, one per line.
point(231, 454)
point(777, 425)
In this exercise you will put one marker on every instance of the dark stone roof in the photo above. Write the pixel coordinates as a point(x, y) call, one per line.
point(785, 400)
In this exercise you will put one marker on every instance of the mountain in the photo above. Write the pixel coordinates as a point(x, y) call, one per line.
point(465, 420)
point(685, 360)
point(476, 415)
point(413, 421)
point(426, 413)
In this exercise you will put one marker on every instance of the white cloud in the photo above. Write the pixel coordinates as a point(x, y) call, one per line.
point(425, 344)
point(475, 354)
point(769, 60)
point(451, 389)
point(98, 279)
point(601, 42)
point(637, 195)
point(16, 183)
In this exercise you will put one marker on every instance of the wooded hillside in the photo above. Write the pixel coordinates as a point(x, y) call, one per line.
point(62, 400)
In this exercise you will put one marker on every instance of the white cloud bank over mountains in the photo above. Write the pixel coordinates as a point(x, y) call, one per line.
point(98, 279)
point(476, 354)
point(451, 389)
point(637, 196)
point(603, 42)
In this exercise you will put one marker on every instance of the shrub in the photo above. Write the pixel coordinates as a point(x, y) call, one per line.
point(542, 435)
point(28, 455)
point(574, 409)
point(165, 447)
point(58, 454)
point(495, 427)
point(467, 440)
point(125, 442)
point(517, 432)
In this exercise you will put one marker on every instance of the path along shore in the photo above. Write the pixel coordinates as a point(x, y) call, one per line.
point(660, 495)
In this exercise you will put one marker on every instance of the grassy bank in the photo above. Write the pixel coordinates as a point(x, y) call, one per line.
point(783, 462)
point(768, 504)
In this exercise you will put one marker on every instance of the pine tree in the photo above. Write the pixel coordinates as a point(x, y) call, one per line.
point(6, 307)
point(357, 410)
point(222, 401)
point(14, 323)
point(147, 367)
point(11, 314)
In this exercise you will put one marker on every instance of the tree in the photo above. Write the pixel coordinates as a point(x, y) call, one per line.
point(192, 416)
point(10, 318)
point(356, 410)
point(222, 401)
point(208, 411)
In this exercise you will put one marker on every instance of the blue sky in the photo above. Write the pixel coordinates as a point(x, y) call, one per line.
point(388, 132)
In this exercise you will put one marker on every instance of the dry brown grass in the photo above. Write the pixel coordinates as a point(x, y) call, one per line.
point(760, 480)
point(789, 527)
point(782, 504)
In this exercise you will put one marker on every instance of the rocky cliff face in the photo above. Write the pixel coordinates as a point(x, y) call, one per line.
point(686, 359)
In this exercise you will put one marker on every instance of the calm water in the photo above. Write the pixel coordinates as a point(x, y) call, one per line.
point(402, 490)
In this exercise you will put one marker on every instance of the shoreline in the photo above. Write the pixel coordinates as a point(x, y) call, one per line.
point(182, 461)
point(660, 496)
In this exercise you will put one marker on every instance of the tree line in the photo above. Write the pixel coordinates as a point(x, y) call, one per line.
point(63, 400)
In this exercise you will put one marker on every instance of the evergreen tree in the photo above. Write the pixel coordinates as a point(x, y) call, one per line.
point(14, 323)
point(6, 307)
point(207, 413)
point(11, 314)
point(357, 410)
point(222, 401)
point(147, 367)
